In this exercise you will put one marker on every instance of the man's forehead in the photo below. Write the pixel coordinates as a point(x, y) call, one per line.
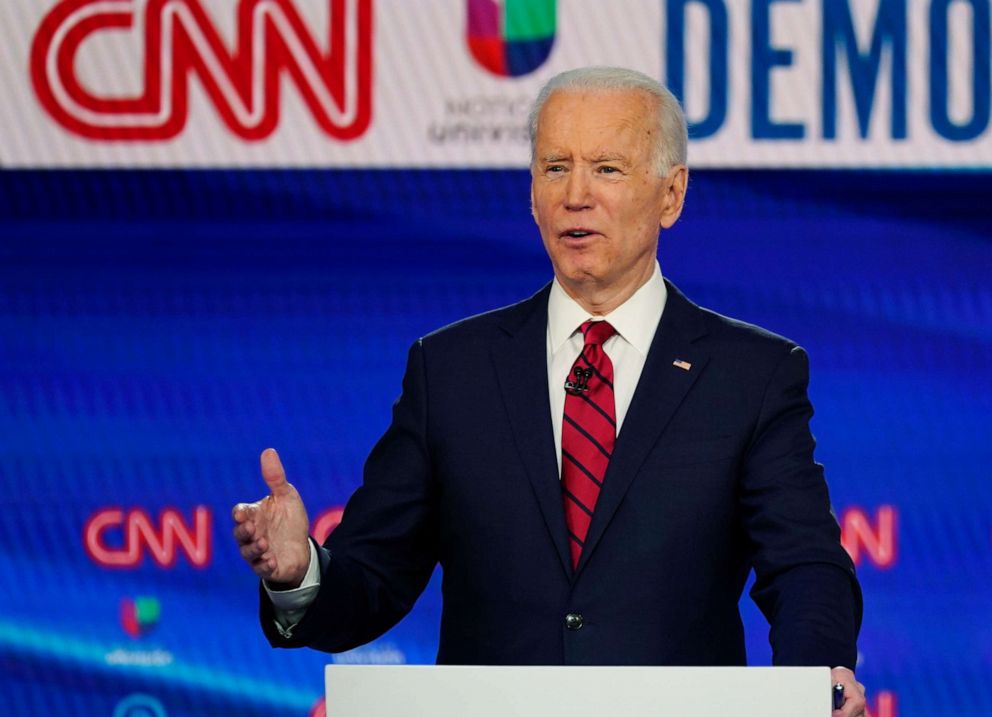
point(599, 101)
point(608, 111)
point(598, 130)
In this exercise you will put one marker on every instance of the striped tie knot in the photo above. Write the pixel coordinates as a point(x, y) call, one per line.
point(596, 333)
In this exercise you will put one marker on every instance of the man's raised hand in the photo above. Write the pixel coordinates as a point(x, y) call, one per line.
point(272, 533)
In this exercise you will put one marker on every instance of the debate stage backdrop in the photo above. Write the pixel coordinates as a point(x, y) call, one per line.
point(222, 224)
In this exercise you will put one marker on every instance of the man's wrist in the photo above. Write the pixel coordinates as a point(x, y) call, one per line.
point(311, 578)
point(283, 587)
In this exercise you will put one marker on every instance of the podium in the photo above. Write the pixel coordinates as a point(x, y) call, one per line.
point(471, 691)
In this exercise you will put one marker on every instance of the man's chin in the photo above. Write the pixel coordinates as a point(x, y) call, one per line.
point(580, 280)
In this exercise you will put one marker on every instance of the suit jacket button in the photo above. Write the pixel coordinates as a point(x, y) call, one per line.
point(573, 621)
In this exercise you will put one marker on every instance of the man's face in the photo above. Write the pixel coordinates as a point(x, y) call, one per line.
point(595, 191)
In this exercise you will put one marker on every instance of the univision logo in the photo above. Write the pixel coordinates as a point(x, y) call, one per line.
point(511, 38)
point(140, 615)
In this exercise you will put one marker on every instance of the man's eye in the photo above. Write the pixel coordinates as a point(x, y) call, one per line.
point(608, 170)
point(555, 169)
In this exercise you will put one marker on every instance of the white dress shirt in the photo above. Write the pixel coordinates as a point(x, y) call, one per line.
point(635, 321)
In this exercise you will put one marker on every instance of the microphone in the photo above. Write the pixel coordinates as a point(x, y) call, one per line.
point(581, 382)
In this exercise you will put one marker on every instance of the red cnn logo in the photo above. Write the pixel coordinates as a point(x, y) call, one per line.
point(140, 535)
point(180, 40)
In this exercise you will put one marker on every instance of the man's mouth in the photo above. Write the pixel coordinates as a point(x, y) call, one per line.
point(576, 233)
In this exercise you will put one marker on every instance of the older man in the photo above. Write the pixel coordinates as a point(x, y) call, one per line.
point(596, 468)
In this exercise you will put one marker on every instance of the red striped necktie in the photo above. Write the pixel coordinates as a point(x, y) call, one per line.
point(588, 432)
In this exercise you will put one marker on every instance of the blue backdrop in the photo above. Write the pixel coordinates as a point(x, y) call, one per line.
point(159, 329)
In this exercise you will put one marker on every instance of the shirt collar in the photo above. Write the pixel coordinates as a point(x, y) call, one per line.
point(636, 319)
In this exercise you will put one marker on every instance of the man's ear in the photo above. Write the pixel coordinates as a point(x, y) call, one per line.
point(675, 187)
point(532, 212)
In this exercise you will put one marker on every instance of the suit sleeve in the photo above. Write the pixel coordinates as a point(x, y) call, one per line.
point(805, 583)
point(378, 561)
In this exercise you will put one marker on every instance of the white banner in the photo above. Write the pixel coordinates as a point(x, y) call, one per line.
point(448, 83)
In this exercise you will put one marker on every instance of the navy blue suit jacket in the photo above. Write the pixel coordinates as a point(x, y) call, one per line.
point(712, 475)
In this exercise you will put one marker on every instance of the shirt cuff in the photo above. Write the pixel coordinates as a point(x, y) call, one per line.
point(291, 605)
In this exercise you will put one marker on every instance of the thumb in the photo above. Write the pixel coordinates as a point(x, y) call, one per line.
point(273, 473)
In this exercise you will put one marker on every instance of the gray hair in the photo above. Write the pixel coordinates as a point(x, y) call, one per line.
point(672, 138)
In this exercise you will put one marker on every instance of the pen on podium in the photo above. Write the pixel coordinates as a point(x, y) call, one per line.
point(838, 693)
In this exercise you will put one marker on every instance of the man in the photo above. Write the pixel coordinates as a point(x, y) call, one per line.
point(596, 468)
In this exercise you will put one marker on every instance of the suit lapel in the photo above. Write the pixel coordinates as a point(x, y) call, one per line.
point(520, 358)
point(659, 392)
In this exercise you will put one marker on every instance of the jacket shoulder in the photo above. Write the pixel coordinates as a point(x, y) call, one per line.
point(482, 327)
point(733, 329)
point(716, 329)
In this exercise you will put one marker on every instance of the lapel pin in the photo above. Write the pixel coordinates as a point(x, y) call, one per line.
point(684, 365)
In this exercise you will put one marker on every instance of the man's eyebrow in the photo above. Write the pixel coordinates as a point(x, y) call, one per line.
point(554, 158)
point(609, 158)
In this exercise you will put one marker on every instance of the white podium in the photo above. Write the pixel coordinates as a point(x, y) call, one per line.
point(466, 691)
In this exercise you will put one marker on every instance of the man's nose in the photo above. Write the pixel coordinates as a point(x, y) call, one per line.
point(577, 190)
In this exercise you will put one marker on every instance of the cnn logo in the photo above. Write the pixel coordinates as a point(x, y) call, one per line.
point(117, 538)
point(179, 40)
